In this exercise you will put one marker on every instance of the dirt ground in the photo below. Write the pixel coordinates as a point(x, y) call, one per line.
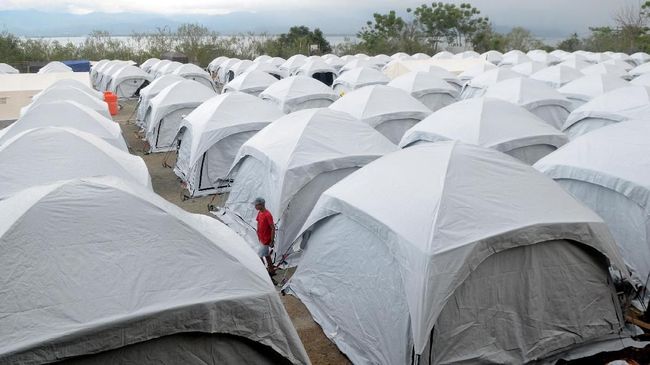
point(320, 349)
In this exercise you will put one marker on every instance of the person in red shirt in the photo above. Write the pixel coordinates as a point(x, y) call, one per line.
point(265, 233)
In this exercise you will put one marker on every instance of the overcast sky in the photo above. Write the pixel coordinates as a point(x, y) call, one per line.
point(568, 15)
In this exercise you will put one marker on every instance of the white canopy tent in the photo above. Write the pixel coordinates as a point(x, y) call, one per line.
point(68, 114)
point(155, 68)
point(191, 71)
point(168, 68)
point(492, 56)
point(238, 68)
point(167, 109)
point(128, 81)
point(640, 70)
point(250, 82)
point(54, 66)
point(528, 68)
point(582, 90)
point(389, 110)
point(474, 71)
point(357, 78)
point(210, 136)
point(606, 69)
point(94, 283)
point(557, 76)
point(609, 171)
point(298, 92)
point(214, 65)
point(512, 58)
point(290, 162)
point(224, 68)
point(640, 58)
point(643, 80)
point(625, 65)
point(536, 96)
point(476, 86)
point(575, 63)
point(150, 91)
point(293, 63)
point(611, 107)
point(66, 92)
point(492, 123)
point(106, 74)
point(45, 155)
point(276, 61)
point(460, 274)
point(433, 92)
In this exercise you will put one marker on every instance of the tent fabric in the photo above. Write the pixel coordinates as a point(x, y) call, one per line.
point(250, 82)
point(221, 120)
point(73, 83)
point(389, 110)
point(643, 80)
point(86, 285)
point(68, 114)
point(54, 66)
point(311, 67)
point(606, 69)
point(528, 68)
point(476, 86)
point(557, 76)
point(292, 151)
point(611, 107)
point(609, 170)
point(493, 57)
point(488, 122)
point(146, 65)
point(268, 68)
point(380, 211)
point(537, 97)
point(298, 92)
point(191, 71)
point(293, 63)
point(476, 70)
point(590, 86)
point(72, 93)
point(128, 81)
point(357, 78)
point(108, 72)
point(8, 69)
point(150, 91)
point(640, 57)
point(640, 70)
point(430, 90)
point(161, 120)
point(45, 155)
point(78, 65)
point(510, 59)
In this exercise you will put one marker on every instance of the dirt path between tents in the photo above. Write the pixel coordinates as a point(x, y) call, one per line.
point(320, 349)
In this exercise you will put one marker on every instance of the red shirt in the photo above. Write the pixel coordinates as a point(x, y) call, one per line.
point(264, 226)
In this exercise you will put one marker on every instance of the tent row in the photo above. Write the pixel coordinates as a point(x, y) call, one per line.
point(91, 254)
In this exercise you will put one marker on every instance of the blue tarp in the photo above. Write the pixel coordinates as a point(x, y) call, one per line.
point(78, 65)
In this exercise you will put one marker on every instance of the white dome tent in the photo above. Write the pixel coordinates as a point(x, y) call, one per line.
point(146, 65)
point(96, 69)
point(54, 67)
point(389, 110)
point(169, 68)
point(150, 91)
point(155, 68)
point(267, 67)
point(627, 66)
point(467, 55)
point(357, 78)
point(398, 218)
point(356, 63)
point(224, 68)
point(431, 91)
point(214, 65)
point(165, 111)
point(193, 72)
point(290, 162)
point(128, 81)
point(319, 70)
point(261, 58)
point(71, 93)
point(210, 136)
point(606, 69)
point(557, 76)
point(640, 70)
point(582, 90)
point(72, 83)
point(476, 86)
point(512, 58)
point(611, 107)
point(107, 73)
point(8, 69)
point(643, 80)
point(475, 70)
point(538, 98)
point(575, 63)
point(440, 72)
point(90, 291)
point(528, 68)
point(493, 57)
point(68, 114)
point(609, 171)
point(250, 82)
point(45, 155)
point(293, 63)
point(336, 63)
point(420, 56)
point(492, 123)
point(640, 58)
point(276, 61)
point(238, 68)
point(543, 58)
point(298, 92)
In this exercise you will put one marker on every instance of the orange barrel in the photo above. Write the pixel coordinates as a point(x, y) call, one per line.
point(111, 100)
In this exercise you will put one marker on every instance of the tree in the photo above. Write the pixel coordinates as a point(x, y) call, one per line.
point(487, 39)
point(571, 44)
point(196, 42)
point(390, 33)
point(456, 25)
point(522, 39)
